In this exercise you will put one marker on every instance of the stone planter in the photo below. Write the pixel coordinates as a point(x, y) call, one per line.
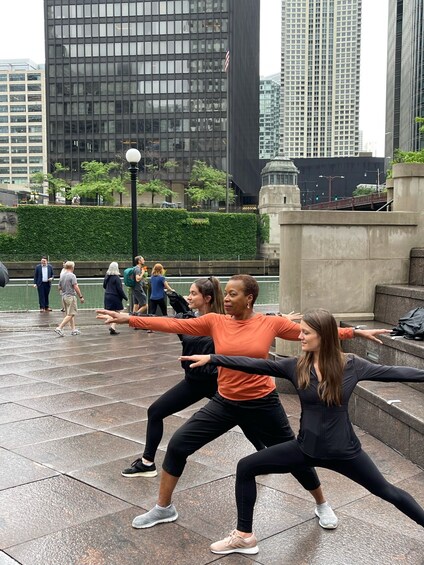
point(408, 187)
point(389, 189)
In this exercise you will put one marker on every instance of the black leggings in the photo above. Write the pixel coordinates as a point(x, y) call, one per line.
point(153, 306)
point(180, 396)
point(263, 421)
point(287, 457)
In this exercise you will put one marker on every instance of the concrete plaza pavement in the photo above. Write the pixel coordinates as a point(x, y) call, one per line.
point(73, 414)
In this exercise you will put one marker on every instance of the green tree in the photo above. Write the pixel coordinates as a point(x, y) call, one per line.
point(56, 186)
point(408, 156)
point(98, 181)
point(362, 190)
point(208, 184)
point(156, 185)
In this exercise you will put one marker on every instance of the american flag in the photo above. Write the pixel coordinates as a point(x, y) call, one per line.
point(227, 61)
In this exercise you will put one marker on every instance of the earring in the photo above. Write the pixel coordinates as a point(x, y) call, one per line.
point(248, 306)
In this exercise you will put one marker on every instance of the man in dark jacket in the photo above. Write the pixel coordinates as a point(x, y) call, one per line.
point(43, 276)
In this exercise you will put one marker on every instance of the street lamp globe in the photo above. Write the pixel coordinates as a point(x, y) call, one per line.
point(133, 155)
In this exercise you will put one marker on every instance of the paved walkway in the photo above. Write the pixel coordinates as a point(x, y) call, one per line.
point(73, 414)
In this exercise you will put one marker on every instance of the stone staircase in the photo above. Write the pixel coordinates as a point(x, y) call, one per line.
point(394, 413)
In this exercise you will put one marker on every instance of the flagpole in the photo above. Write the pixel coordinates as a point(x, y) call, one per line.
point(227, 189)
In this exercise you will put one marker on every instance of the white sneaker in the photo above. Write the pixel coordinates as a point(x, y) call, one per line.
point(327, 519)
point(59, 332)
point(75, 332)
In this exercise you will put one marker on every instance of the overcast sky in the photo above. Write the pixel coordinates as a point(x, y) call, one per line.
point(22, 37)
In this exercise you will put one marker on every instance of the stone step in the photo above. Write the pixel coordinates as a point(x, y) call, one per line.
point(395, 300)
point(416, 266)
point(394, 414)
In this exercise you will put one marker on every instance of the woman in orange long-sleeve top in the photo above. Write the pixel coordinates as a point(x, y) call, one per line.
point(250, 400)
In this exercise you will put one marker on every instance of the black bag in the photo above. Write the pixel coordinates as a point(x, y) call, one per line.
point(178, 302)
point(411, 325)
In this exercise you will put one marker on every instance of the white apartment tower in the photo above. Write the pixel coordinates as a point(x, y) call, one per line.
point(23, 147)
point(320, 71)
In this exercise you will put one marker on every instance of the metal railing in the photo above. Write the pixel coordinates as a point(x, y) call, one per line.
point(21, 296)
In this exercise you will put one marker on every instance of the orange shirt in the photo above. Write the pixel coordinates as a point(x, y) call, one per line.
point(250, 338)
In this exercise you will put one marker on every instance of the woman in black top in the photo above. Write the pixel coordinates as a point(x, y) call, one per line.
point(114, 292)
point(324, 378)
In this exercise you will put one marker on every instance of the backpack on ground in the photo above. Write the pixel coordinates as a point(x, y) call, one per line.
point(129, 277)
point(411, 325)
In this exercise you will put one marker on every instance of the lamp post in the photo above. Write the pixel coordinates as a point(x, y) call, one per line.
point(330, 183)
point(133, 157)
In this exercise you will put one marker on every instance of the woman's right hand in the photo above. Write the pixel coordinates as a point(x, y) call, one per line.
point(199, 360)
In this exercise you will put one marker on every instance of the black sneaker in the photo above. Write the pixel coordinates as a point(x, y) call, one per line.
point(139, 469)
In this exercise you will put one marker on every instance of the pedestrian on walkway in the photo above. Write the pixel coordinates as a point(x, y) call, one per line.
point(43, 276)
point(324, 378)
point(68, 285)
point(158, 286)
point(249, 401)
point(114, 292)
point(63, 270)
point(138, 291)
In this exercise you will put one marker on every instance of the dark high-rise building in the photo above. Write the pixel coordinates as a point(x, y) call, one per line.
point(153, 75)
point(405, 76)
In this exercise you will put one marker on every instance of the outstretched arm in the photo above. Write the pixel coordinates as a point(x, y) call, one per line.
point(367, 371)
point(288, 329)
point(190, 326)
point(282, 368)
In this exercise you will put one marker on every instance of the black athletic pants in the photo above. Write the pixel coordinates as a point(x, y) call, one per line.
point(289, 457)
point(263, 421)
point(179, 397)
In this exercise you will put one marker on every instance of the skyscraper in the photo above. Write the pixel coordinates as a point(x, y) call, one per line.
point(320, 71)
point(405, 76)
point(151, 74)
point(269, 116)
point(22, 121)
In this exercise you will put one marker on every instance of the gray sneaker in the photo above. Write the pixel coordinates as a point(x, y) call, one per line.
point(155, 516)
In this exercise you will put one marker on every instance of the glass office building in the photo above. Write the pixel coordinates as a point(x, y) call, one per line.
point(152, 75)
point(405, 76)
